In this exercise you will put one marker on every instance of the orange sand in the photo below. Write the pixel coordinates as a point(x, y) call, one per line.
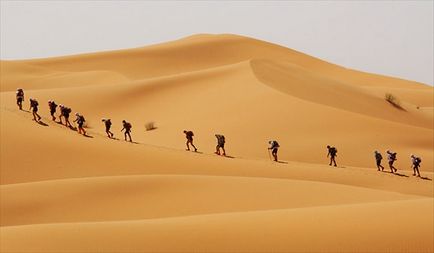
point(64, 192)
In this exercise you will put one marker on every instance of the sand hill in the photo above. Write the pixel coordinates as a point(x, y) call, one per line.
point(64, 192)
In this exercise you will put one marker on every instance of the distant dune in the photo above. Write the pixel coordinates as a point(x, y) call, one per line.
point(64, 192)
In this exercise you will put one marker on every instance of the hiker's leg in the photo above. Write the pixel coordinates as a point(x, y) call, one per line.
point(125, 135)
point(334, 161)
point(217, 150)
point(129, 136)
point(224, 151)
point(195, 149)
point(188, 147)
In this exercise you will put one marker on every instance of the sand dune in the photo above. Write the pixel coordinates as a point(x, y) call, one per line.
point(64, 192)
point(318, 229)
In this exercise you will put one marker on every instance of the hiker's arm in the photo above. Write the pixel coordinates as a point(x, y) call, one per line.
point(122, 129)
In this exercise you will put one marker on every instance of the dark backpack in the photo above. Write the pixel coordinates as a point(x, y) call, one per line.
point(333, 151)
point(275, 144)
point(128, 126)
point(378, 156)
point(393, 156)
point(418, 160)
point(81, 119)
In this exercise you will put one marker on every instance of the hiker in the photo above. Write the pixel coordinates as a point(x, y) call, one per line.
point(220, 144)
point(189, 135)
point(391, 157)
point(34, 106)
point(127, 126)
point(80, 121)
point(415, 164)
point(108, 125)
point(378, 158)
point(52, 105)
point(274, 147)
point(332, 151)
point(65, 113)
point(20, 98)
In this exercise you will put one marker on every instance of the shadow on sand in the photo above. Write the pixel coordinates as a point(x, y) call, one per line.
point(228, 156)
point(395, 173)
point(42, 123)
point(282, 162)
point(426, 178)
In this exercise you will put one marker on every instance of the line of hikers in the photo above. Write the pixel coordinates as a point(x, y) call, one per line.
point(220, 148)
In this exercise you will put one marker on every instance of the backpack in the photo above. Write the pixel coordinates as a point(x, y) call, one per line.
point(67, 110)
point(418, 160)
point(190, 133)
point(128, 125)
point(275, 144)
point(220, 138)
point(81, 119)
point(378, 156)
point(393, 156)
point(333, 151)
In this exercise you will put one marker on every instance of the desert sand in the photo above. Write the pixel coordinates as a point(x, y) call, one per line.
point(63, 192)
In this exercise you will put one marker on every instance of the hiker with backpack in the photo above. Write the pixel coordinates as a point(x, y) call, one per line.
point(220, 144)
point(189, 135)
point(34, 107)
point(127, 127)
point(415, 164)
point(108, 125)
point(378, 158)
point(52, 106)
point(274, 147)
point(332, 153)
point(80, 121)
point(65, 113)
point(391, 157)
point(20, 98)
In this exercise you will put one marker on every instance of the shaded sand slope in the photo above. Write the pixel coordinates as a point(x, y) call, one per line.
point(346, 228)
